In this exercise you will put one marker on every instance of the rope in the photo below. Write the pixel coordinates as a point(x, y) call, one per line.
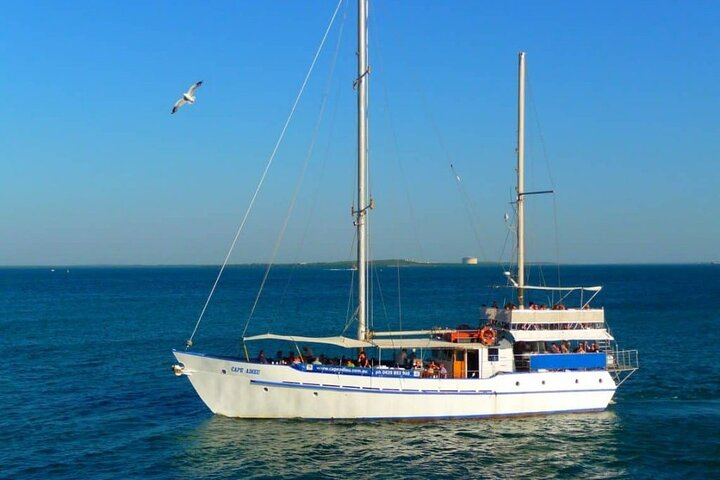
point(298, 186)
point(399, 296)
point(262, 178)
point(351, 297)
point(382, 297)
point(469, 210)
point(396, 149)
point(536, 117)
point(323, 164)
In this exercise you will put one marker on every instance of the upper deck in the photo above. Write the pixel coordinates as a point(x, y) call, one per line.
point(548, 325)
point(509, 318)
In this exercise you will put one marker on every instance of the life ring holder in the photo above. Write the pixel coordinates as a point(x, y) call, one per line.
point(488, 335)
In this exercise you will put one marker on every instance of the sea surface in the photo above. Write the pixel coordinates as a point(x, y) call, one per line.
point(86, 389)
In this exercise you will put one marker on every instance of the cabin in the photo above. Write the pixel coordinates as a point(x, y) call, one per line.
point(506, 340)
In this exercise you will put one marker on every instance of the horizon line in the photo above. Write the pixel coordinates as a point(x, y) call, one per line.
point(407, 263)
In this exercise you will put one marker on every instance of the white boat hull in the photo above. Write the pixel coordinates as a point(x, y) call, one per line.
point(236, 388)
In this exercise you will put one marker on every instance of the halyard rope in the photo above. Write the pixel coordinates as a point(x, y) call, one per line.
point(262, 178)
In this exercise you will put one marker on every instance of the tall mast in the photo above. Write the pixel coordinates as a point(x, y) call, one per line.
point(361, 213)
point(521, 182)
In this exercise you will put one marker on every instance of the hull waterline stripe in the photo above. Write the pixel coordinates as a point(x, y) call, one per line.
point(396, 391)
point(451, 417)
point(470, 417)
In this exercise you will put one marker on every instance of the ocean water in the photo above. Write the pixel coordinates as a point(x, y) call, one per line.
point(86, 389)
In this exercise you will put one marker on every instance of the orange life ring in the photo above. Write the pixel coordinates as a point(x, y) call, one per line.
point(488, 335)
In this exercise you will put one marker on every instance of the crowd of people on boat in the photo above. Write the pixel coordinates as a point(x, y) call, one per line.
point(555, 326)
point(308, 357)
point(434, 370)
point(536, 306)
point(404, 360)
point(564, 347)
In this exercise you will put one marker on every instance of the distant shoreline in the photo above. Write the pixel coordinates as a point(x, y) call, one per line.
point(349, 264)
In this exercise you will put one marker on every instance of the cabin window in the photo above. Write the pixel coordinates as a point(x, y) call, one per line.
point(493, 355)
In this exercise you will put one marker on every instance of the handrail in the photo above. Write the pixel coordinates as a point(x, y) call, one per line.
point(622, 364)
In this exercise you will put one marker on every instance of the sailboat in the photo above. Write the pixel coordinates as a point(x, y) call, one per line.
point(519, 359)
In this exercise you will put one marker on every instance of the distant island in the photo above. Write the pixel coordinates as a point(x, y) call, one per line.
point(347, 264)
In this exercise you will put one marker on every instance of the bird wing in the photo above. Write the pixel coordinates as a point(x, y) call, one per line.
point(191, 90)
point(178, 104)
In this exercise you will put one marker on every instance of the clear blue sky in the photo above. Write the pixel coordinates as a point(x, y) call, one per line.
point(623, 122)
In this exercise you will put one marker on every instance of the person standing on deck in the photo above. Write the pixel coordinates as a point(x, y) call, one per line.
point(401, 359)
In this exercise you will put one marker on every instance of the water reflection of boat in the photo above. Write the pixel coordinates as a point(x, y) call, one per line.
point(543, 447)
point(509, 364)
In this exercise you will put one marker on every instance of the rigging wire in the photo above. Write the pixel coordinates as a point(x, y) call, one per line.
point(351, 293)
point(370, 293)
point(536, 117)
point(468, 209)
point(382, 297)
point(396, 149)
point(400, 317)
point(293, 201)
point(308, 156)
point(264, 174)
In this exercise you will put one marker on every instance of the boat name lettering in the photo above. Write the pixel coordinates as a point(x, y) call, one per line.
point(236, 369)
point(252, 371)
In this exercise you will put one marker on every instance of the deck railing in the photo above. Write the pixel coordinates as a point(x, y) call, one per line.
point(622, 364)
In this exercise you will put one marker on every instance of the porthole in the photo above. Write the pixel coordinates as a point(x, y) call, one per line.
point(517, 384)
point(577, 381)
point(315, 393)
point(600, 380)
point(266, 389)
point(543, 382)
point(224, 371)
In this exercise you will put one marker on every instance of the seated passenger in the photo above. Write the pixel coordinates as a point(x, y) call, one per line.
point(564, 347)
point(432, 368)
point(261, 357)
point(279, 358)
point(555, 348)
point(349, 363)
point(443, 371)
point(362, 360)
point(308, 354)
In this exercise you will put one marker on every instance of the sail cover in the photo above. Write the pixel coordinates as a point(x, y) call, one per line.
point(557, 289)
point(337, 341)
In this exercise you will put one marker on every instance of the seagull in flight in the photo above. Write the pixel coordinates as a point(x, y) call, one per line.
point(188, 97)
